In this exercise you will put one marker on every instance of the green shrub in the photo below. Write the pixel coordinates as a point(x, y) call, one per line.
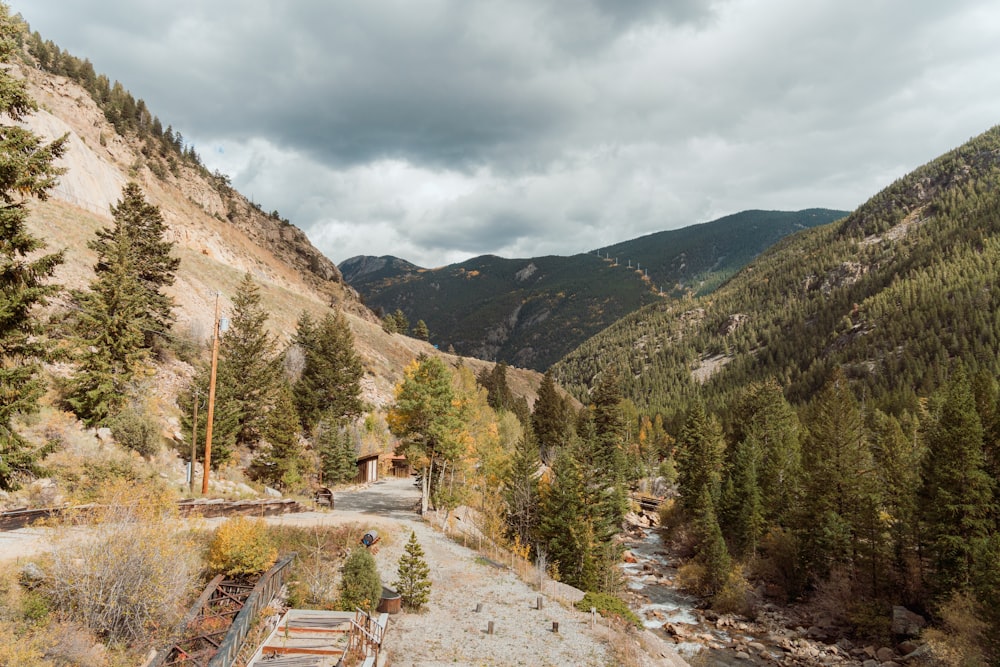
point(360, 585)
point(608, 605)
point(241, 546)
point(135, 429)
point(34, 606)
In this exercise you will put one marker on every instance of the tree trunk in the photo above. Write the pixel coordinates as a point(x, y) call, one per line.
point(425, 490)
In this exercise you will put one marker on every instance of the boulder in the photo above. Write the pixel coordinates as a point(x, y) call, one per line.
point(629, 557)
point(31, 576)
point(905, 647)
point(884, 654)
point(869, 663)
point(917, 654)
point(906, 623)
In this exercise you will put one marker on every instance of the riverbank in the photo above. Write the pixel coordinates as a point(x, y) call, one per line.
point(788, 636)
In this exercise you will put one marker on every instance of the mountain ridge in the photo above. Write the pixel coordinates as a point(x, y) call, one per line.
point(915, 257)
point(497, 308)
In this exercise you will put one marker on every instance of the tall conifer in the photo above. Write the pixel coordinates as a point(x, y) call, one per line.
point(28, 172)
point(330, 384)
point(249, 365)
point(124, 307)
point(549, 420)
point(957, 494)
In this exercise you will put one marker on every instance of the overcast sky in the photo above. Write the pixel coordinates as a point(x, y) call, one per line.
point(436, 131)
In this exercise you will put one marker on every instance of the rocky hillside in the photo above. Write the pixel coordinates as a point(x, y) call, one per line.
point(219, 234)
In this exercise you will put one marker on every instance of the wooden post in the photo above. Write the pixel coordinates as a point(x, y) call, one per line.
point(194, 440)
point(211, 400)
point(489, 628)
point(479, 607)
point(538, 602)
point(555, 627)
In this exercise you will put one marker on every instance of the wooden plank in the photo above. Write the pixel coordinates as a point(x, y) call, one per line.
point(300, 650)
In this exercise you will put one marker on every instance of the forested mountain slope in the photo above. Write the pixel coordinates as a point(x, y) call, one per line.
point(891, 295)
point(530, 312)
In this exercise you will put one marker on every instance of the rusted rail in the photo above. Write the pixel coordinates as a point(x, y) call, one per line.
point(203, 628)
point(265, 591)
point(213, 630)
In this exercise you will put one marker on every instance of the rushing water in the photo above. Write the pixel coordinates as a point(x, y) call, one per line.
point(652, 576)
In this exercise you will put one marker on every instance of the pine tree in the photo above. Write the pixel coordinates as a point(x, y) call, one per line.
point(743, 500)
point(607, 465)
point(426, 419)
point(700, 450)
point(248, 351)
point(152, 264)
point(898, 453)
point(840, 499)
point(521, 493)
point(330, 384)
point(337, 458)
point(957, 494)
point(123, 308)
point(763, 414)
point(281, 463)
point(360, 585)
point(28, 172)
point(499, 395)
point(711, 550)
point(413, 583)
point(565, 530)
point(549, 420)
point(420, 331)
point(402, 323)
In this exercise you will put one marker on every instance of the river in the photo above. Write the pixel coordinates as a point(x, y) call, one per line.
point(653, 577)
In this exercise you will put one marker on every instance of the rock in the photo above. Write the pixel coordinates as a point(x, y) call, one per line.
point(917, 654)
point(884, 654)
point(817, 633)
point(104, 434)
point(845, 644)
point(31, 576)
point(906, 623)
point(904, 648)
point(742, 655)
point(869, 663)
point(757, 646)
point(271, 493)
point(870, 651)
point(629, 557)
point(890, 663)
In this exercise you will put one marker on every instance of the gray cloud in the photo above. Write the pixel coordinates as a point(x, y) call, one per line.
point(439, 130)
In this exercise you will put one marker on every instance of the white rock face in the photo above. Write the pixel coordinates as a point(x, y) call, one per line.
point(89, 182)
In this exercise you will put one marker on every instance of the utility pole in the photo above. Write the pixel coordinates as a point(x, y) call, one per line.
point(211, 398)
point(194, 439)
